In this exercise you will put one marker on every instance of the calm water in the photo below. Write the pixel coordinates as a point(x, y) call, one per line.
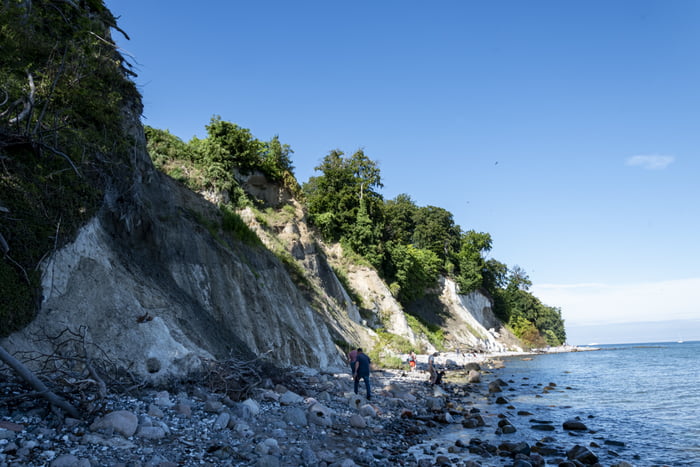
point(645, 395)
point(644, 398)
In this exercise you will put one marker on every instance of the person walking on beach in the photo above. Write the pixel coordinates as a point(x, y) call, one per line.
point(352, 356)
point(412, 360)
point(432, 368)
point(362, 363)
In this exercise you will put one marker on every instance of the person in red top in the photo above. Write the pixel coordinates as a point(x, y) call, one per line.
point(412, 360)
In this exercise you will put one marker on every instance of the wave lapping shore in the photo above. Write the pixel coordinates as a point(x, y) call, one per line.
point(466, 421)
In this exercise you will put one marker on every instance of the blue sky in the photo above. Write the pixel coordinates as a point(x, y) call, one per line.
point(569, 131)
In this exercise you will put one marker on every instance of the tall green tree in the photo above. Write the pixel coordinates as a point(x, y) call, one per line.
point(436, 231)
point(364, 237)
point(472, 264)
point(414, 270)
point(276, 159)
point(495, 275)
point(334, 197)
point(399, 219)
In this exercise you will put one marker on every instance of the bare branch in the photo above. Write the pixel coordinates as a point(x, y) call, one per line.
point(4, 247)
point(28, 102)
point(62, 154)
point(9, 258)
point(37, 384)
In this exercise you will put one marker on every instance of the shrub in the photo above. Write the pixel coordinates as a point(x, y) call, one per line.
point(233, 224)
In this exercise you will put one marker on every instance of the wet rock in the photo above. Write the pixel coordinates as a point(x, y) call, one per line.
point(610, 442)
point(473, 421)
point(472, 366)
point(474, 376)
point(582, 454)
point(542, 427)
point(515, 448)
point(574, 425)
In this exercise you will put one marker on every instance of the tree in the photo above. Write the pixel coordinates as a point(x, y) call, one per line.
point(470, 259)
point(276, 160)
point(242, 150)
point(334, 198)
point(364, 237)
point(414, 270)
point(519, 279)
point(216, 164)
point(495, 275)
point(436, 231)
point(399, 219)
point(366, 173)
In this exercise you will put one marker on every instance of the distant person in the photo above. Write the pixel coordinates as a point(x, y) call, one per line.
point(352, 356)
point(432, 368)
point(412, 360)
point(362, 363)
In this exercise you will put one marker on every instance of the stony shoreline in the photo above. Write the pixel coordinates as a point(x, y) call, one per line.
point(467, 421)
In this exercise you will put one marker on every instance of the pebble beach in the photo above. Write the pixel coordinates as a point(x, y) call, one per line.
point(466, 421)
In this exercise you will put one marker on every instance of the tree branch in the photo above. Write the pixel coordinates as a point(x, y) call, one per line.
point(28, 103)
point(37, 384)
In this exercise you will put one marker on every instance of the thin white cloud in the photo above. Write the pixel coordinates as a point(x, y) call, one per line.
point(594, 304)
point(650, 162)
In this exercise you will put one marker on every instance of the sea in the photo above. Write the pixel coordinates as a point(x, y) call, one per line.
point(640, 402)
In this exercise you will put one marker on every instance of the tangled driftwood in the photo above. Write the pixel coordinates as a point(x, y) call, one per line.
point(76, 367)
point(37, 384)
point(235, 378)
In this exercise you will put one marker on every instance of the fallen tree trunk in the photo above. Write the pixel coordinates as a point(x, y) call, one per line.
point(37, 384)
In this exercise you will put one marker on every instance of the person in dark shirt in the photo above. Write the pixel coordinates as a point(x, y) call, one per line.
point(362, 363)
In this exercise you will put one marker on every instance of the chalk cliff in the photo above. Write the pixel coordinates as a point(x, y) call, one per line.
point(159, 293)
